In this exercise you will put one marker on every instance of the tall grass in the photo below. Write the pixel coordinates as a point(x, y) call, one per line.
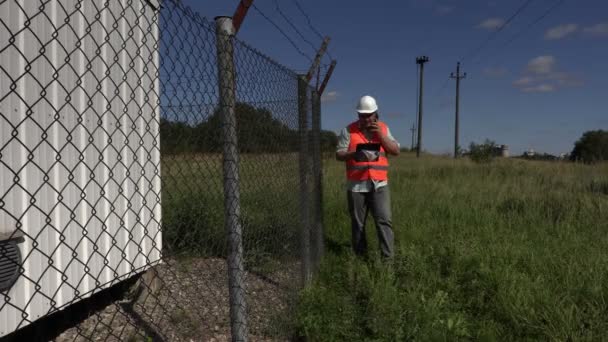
point(511, 250)
point(193, 207)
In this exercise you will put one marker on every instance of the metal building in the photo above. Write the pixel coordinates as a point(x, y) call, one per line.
point(79, 151)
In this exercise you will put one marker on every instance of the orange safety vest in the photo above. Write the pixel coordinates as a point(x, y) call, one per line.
point(361, 171)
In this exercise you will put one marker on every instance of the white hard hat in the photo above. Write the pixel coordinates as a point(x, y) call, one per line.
point(367, 105)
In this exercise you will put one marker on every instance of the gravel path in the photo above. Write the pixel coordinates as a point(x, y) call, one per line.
point(188, 301)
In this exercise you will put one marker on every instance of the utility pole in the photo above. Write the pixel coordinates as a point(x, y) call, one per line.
point(420, 60)
point(413, 129)
point(458, 77)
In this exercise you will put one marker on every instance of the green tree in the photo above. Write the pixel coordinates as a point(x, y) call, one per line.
point(484, 152)
point(175, 137)
point(329, 141)
point(258, 131)
point(591, 147)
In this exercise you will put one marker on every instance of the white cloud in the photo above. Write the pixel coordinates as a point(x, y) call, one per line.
point(541, 88)
point(541, 76)
point(600, 29)
point(495, 72)
point(565, 79)
point(560, 31)
point(491, 24)
point(329, 96)
point(541, 65)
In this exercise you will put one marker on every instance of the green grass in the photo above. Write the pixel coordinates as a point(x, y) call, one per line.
point(193, 207)
point(511, 250)
point(193, 225)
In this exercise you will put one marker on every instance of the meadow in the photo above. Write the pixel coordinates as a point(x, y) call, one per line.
point(193, 206)
point(510, 250)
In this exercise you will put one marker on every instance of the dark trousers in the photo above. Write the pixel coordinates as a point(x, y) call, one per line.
point(379, 203)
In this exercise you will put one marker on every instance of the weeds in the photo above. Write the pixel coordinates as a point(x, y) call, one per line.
point(505, 251)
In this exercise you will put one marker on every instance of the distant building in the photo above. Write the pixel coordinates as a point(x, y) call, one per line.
point(504, 151)
point(501, 151)
point(530, 153)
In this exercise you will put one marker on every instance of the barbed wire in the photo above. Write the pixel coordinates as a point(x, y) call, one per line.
point(278, 8)
point(308, 20)
point(311, 26)
point(282, 32)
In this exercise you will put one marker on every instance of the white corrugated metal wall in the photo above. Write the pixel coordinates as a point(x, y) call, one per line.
point(79, 144)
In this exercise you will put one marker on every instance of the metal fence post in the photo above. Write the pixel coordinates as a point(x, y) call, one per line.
point(317, 200)
point(232, 205)
point(304, 185)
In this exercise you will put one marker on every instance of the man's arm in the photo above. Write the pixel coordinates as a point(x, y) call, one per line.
point(390, 145)
point(345, 155)
point(342, 153)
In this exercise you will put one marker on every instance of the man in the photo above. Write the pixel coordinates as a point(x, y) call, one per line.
point(364, 145)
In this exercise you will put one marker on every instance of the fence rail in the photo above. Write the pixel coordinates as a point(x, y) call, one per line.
point(159, 178)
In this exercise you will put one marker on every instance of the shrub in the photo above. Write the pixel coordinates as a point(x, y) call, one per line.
point(591, 147)
point(483, 153)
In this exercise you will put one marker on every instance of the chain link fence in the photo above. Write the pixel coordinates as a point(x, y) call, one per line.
point(159, 179)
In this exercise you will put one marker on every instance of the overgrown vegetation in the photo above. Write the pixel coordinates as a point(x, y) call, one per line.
point(484, 152)
point(193, 207)
point(592, 147)
point(259, 130)
point(508, 251)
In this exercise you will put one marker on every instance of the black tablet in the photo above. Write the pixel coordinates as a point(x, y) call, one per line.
point(368, 147)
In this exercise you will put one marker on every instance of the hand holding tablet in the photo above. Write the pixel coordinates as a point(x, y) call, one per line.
point(368, 152)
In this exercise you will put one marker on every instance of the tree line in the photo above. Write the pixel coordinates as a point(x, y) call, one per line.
point(257, 132)
point(592, 147)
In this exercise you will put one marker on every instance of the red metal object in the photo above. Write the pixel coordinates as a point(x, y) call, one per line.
point(327, 76)
point(317, 60)
point(240, 13)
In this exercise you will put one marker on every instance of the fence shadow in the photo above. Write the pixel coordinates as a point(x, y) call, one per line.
point(51, 326)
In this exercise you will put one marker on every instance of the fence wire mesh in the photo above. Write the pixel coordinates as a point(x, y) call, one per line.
point(118, 190)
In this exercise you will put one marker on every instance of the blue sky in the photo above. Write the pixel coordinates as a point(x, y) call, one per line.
point(542, 90)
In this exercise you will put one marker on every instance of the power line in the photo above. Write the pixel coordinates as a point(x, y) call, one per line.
point(282, 32)
point(551, 9)
point(493, 34)
point(536, 21)
point(440, 89)
point(435, 95)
